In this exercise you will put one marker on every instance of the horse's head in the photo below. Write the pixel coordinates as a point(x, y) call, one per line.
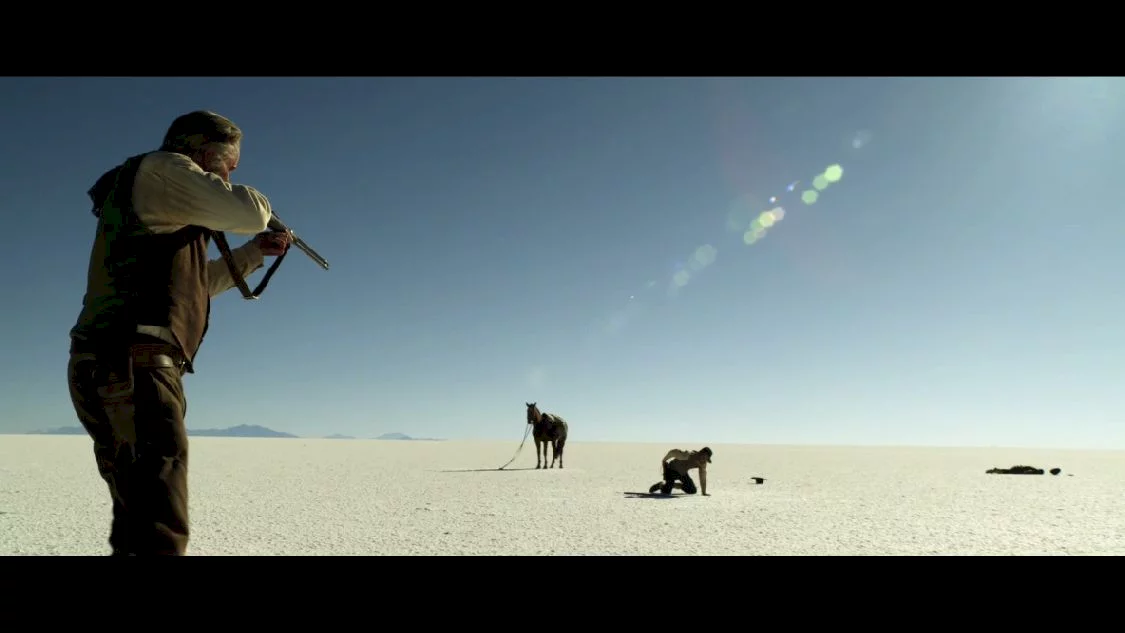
point(533, 414)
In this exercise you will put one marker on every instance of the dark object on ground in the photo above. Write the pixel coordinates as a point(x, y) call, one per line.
point(1015, 470)
point(758, 480)
point(1055, 471)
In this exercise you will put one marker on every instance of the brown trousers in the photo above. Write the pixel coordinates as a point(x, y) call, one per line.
point(132, 405)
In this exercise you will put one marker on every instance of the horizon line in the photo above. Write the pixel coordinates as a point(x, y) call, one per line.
point(293, 436)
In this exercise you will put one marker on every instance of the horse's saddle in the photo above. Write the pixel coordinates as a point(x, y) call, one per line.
point(555, 425)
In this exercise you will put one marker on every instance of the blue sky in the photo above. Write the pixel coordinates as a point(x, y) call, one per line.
point(582, 243)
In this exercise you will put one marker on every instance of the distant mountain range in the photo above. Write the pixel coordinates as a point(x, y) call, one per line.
point(242, 430)
point(404, 436)
point(62, 430)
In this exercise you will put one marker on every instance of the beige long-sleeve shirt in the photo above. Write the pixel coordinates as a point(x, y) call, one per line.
point(171, 192)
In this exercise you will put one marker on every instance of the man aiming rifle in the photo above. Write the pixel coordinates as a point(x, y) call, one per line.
point(146, 310)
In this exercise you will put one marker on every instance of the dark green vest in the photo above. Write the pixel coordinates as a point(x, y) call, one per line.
point(137, 277)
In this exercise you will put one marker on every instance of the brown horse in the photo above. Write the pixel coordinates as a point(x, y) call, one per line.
point(547, 429)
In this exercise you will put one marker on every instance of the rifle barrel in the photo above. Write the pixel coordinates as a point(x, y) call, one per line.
point(276, 224)
point(299, 243)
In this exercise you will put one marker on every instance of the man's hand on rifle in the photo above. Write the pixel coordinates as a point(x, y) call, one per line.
point(272, 243)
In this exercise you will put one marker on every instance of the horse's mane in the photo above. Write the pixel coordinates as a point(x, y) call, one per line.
point(544, 421)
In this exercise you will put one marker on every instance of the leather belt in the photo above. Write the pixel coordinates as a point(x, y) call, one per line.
point(159, 355)
point(146, 355)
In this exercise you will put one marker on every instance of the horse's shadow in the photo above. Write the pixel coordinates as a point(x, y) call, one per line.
point(485, 470)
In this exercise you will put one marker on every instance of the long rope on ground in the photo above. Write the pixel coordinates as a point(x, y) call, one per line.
point(525, 434)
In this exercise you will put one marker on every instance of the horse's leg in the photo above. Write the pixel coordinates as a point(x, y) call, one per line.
point(559, 449)
point(537, 445)
point(554, 452)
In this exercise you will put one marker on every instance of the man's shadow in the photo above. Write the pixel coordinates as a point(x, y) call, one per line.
point(486, 470)
point(653, 495)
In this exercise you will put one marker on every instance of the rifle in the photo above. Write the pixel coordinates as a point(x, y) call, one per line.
point(277, 226)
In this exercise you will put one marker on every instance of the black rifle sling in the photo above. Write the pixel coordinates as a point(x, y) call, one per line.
point(239, 280)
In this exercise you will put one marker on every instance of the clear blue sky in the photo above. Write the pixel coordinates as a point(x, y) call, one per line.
point(496, 241)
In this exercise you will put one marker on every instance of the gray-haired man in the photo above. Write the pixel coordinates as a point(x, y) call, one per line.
point(146, 311)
